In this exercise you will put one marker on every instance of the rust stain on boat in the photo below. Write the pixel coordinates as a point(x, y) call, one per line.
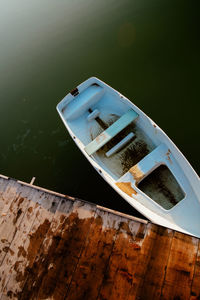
point(155, 128)
point(63, 109)
point(100, 138)
point(126, 188)
point(137, 173)
point(168, 156)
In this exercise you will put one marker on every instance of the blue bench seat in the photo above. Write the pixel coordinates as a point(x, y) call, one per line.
point(111, 132)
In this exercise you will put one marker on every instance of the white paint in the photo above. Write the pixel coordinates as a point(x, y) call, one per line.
point(32, 180)
point(84, 212)
point(110, 221)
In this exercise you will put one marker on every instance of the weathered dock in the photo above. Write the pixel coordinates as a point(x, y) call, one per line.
point(53, 246)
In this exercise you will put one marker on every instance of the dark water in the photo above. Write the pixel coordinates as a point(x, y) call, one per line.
point(146, 49)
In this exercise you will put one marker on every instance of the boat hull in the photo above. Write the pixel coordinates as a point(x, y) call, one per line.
point(148, 171)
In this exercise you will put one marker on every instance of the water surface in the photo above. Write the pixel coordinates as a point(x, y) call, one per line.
point(146, 49)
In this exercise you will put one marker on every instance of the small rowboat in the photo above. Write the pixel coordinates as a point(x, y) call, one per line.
point(133, 155)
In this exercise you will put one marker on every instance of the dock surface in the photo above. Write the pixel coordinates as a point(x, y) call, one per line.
point(54, 246)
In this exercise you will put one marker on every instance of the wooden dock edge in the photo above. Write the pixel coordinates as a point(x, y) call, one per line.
point(53, 246)
point(120, 214)
point(117, 213)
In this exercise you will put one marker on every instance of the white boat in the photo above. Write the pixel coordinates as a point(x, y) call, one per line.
point(133, 155)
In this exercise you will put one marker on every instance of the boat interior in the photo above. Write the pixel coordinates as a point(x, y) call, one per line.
point(124, 143)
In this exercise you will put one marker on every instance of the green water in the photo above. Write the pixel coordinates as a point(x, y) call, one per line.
point(146, 49)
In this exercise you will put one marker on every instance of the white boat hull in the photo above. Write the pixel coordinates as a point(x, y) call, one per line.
point(143, 165)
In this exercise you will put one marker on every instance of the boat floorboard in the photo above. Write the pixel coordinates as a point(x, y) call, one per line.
point(53, 246)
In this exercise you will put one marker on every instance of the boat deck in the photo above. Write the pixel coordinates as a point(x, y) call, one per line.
point(53, 246)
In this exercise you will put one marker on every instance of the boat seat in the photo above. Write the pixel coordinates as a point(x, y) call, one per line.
point(83, 101)
point(160, 155)
point(121, 144)
point(93, 115)
point(111, 132)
